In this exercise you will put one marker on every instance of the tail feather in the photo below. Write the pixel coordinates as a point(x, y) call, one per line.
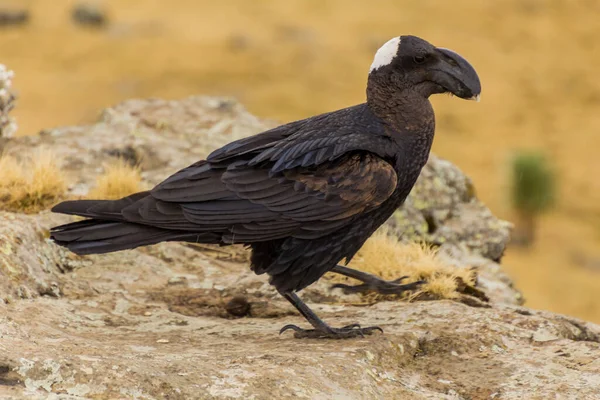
point(95, 236)
point(105, 209)
point(107, 231)
point(93, 229)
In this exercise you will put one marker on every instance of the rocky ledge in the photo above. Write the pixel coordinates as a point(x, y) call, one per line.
point(180, 321)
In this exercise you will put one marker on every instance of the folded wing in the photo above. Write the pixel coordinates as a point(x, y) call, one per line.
point(303, 180)
point(248, 204)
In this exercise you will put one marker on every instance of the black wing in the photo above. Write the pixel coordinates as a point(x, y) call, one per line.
point(303, 180)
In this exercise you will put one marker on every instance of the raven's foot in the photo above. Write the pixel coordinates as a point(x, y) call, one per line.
point(380, 286)
point(327, 332)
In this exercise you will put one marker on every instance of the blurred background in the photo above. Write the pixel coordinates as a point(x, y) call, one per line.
point(530, 145)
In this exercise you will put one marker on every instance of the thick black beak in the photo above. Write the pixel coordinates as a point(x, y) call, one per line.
point(462, 81)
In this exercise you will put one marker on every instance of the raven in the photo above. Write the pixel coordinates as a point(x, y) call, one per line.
point(303, 196)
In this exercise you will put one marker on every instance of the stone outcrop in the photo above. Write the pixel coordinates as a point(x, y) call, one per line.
point(187, 321)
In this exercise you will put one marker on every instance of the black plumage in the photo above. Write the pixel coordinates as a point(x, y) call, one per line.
point(303, 196)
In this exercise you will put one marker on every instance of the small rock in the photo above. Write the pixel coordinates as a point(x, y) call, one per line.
point(177, 280)
point(178, 322)
point(497, 349)
point(87, 370)
point(238, 306)
point(544, 335)
point(128, 153)
point(13, 17)
point(89, 15)
point(8, 374)
point(50, 289)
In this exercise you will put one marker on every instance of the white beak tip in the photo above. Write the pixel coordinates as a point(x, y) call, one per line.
point(476, 98)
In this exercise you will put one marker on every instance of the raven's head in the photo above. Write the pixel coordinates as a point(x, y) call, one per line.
point(409, 62)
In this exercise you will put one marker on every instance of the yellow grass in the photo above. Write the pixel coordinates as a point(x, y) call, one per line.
point(12, 175)
point(32, 184)
point(383, 255)
point(119, 179)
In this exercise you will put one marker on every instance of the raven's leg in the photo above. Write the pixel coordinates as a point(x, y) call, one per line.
point(372, 283)
point(322, 330)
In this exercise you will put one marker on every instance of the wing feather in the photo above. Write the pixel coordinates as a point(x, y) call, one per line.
point(303, 180)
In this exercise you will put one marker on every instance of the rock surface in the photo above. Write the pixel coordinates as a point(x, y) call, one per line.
point(154, 323)
point(8, 126)
point(185, 321)
point(164, 136)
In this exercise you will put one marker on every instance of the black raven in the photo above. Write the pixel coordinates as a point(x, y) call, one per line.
point(302, 196)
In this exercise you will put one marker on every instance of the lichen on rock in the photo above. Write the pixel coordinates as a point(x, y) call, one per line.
point(8, 126)
point(442, 208)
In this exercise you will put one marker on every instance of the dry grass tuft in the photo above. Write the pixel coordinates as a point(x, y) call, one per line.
point(12, 174)
point(32, 184)
point(383, 255)
point(119, 179)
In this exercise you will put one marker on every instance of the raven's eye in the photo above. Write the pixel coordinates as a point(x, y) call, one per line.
point(419, 59)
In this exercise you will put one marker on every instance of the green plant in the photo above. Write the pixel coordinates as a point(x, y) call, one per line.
point(533, 191)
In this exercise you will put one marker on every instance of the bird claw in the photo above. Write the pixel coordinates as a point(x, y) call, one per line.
point(346, 332)
point(379, 286)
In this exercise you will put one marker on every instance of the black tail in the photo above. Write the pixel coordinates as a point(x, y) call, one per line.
point(95, 236)
point(103, 209)
point(107, 231)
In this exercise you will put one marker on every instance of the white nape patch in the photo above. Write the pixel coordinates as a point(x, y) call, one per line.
point(386, 53)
